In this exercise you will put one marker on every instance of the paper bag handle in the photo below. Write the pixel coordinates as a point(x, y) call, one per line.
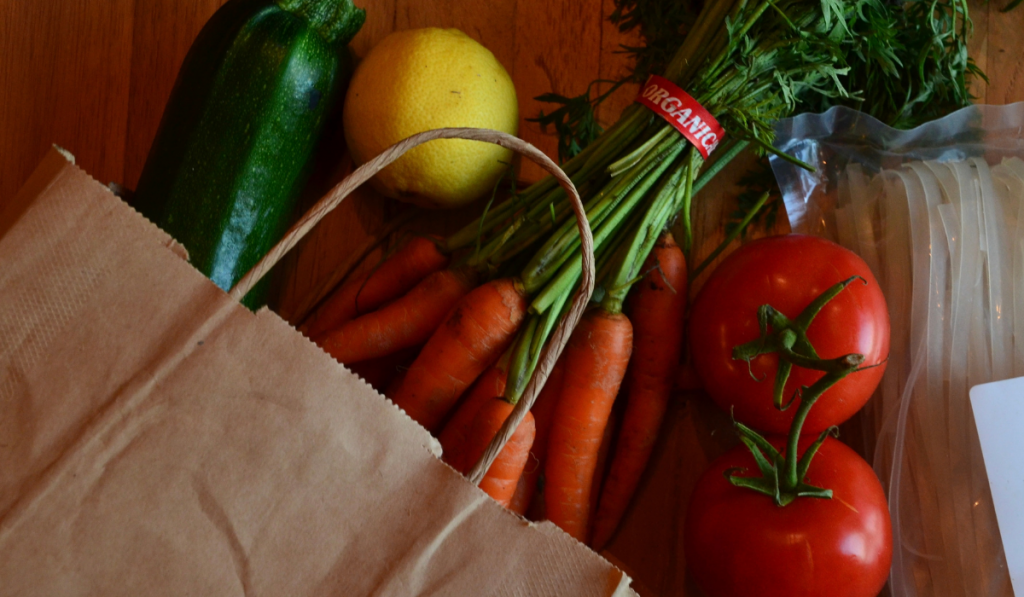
point(559, 337)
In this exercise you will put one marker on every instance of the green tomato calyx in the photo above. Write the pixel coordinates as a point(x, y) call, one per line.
point(789, 340)
point(782, 476)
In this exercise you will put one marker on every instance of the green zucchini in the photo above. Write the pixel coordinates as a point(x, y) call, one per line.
point(236, 140)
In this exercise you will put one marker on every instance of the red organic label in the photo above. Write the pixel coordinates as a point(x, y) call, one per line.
point(683, 112)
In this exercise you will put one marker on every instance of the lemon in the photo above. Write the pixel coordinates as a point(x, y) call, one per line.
point(422, 79)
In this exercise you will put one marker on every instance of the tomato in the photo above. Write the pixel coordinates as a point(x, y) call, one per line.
point(740, 544)
point(788, 273)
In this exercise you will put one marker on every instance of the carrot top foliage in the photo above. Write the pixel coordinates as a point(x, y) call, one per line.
point(909, 58)
point(748, 62)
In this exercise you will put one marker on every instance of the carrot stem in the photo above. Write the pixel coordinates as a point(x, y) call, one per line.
point(640, 243)
point(569, 273)
point(609, 210)
point(526, 212)
point(533, 348)
point(522, 361)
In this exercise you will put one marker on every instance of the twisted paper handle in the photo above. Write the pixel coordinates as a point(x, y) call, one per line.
point(559, 337)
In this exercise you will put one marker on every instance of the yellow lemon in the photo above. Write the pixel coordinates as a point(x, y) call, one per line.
point(422, 79)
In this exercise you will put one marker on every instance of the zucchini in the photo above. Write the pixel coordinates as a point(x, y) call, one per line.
point(236, 139)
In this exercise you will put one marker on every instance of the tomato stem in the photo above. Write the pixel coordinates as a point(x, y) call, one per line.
point(789, 340)
point(808, 396)
point(783, 475)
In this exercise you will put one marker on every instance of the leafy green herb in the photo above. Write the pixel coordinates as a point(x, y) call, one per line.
point(574, 122)
point(756, 182)
point(662, 25)
point(911, 61)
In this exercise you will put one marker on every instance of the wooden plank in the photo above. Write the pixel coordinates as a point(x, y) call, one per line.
point(164, 31)
point(615, 65)
point(558, 48)
point(380, 21)
point(488, 23)
point(63, 79)
point(1005, 55)
point(978, 48)
point(94, 76)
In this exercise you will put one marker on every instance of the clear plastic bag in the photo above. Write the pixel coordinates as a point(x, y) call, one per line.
point(935, 212)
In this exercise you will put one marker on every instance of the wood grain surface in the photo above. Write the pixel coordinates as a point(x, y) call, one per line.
point(93, 75)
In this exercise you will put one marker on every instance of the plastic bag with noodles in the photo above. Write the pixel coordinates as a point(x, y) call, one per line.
point(935, 212)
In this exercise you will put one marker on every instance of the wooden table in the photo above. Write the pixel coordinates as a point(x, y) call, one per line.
point(93, 75)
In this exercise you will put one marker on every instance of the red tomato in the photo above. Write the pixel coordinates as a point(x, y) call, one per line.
point(739, 543)
point(788, 273)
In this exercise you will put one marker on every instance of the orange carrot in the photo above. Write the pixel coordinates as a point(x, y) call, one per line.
point(397, 275)
point(406, 322)
point(602, 464)
point(381, 371)
point(595, 363)
point(658, 307)
point(392, 388)
point(457, 429)
point(476, 332)
point(543, 411)
point(504, 473)
point(522, 498)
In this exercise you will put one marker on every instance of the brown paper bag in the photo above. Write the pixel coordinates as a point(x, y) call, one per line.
point(156, 438)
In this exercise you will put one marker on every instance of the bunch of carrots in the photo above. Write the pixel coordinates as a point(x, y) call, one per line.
point(440, 343)
point(468, 318)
